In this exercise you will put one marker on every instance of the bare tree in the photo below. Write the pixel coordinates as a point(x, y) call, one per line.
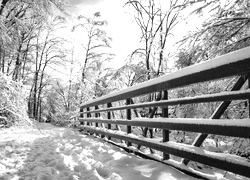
point(156, 25)
point(18, 20)
point(224, 31)
point(96, 42)
point(49, 50)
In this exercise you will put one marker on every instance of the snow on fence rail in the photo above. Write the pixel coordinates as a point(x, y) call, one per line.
point(233, 64)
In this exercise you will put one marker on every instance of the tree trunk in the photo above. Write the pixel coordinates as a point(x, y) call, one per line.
point(40, 110)
point(3, 61)
point(18, 64)
point(39, 93)
point(34, 95)
point(162, 45)
point(160, 63)
point(70, 82)
point(30, 110)
point(25, 59)
point(3, 4)
point(1, 58)
point(8, 66)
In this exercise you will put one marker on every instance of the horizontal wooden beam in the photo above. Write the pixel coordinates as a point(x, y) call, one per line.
point(233, 63)
point(232, 127)
point(222, 161)
point(223, 96)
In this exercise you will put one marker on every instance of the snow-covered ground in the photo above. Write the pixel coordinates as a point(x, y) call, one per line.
point(47, 152)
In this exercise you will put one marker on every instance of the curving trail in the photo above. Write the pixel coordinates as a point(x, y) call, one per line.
point(62, 153)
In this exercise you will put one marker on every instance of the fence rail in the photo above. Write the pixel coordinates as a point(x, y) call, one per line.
point(94, 115)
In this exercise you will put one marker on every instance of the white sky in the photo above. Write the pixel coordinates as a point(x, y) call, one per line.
point(121, 28)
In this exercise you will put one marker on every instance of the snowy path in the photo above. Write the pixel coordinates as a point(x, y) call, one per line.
point(61, 153)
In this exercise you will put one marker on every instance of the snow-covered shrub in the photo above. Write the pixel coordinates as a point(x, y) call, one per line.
point(241, 147)
point(63, 119)
point(13, 104)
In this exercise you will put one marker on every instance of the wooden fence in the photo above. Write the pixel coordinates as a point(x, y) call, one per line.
point(96, 115)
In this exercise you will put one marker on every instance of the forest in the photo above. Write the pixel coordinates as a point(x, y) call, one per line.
point(31, 47)
point(45, 75)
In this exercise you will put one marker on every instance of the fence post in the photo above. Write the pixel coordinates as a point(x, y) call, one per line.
point(128, 114)
point(248, 77)
point(81, 115)
point(109, 117)
point(96, 115)
point(165, 132)
point(88, 115)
